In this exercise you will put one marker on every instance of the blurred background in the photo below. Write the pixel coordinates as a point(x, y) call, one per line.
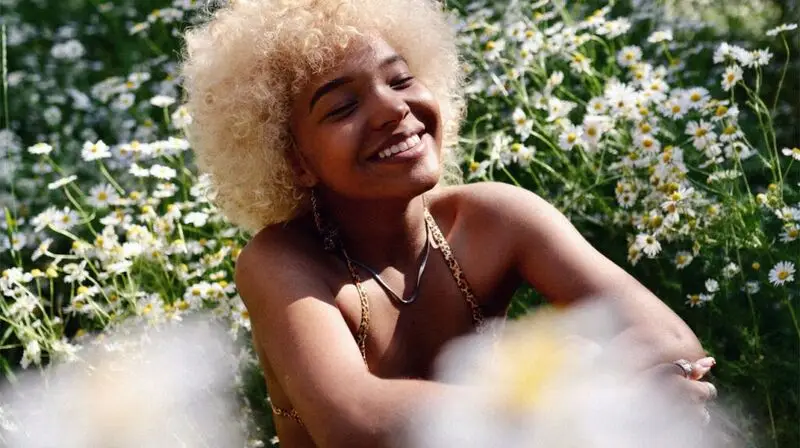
point(106, 220)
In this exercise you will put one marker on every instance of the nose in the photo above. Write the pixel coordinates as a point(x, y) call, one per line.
point(387, 107)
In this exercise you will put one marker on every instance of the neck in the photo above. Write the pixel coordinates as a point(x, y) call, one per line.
point(379, 233)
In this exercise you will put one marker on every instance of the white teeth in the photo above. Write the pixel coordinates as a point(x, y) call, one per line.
point(405, 145)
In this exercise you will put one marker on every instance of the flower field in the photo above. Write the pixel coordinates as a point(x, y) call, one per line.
point(666, 130)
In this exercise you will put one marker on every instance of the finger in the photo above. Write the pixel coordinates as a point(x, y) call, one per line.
point(701, 367)
point(697, 391)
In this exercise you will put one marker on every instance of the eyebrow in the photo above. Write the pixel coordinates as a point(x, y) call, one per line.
point(338, 82)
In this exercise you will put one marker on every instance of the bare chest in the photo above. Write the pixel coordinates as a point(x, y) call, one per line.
point(403, 340)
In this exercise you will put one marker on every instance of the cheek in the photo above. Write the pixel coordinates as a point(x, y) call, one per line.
point(331, 146)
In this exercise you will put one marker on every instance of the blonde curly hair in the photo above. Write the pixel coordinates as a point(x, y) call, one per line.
point(242, 67)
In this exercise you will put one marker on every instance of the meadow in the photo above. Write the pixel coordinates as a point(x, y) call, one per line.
point(666, 130)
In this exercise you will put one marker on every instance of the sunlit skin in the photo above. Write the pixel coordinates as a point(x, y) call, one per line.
point(302, 303)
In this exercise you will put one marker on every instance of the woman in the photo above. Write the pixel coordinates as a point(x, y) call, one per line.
point(329, 129)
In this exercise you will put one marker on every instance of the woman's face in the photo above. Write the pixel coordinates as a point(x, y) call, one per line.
point(368, 129)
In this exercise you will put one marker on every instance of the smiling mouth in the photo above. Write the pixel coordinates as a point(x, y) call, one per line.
point(410, 143)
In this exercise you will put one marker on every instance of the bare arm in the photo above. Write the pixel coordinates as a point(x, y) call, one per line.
point(313, 354)
point(555, 259)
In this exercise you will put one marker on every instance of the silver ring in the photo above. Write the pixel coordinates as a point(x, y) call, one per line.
point(686, 367)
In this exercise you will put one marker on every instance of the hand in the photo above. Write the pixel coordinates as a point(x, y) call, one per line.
point(684, 378)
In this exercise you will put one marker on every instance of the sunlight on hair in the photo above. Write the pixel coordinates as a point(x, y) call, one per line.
point(139, 387)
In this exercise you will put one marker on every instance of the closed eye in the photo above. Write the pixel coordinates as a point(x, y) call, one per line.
point(343, 111)
point(402, 83)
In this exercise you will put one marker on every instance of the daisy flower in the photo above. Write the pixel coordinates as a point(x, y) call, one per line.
point(570, 137)
point(593, 129)
point(181, 117)
point(712, 285)
point(751, 287)
point(522, 126)
point(781, 273)
point(648, 244)
point(701, 133)
point(683, 259)
point(695, 300)
point(477, 170)
point(162, 101)
point(660, 36)
point(730, 270)
point(61, 182)
point(95, 151)
point(629, 56)
point(40, 149)
point(792, 152)
point(790, 233)
point(782, 28)
point(101, 196)
point(732, 75)
point(697, 97)
point(162, 172)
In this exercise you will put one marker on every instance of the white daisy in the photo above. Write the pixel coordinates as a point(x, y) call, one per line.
point(629, 56)
point(782, 28)
point(95, 151)
point(701, 133)
point(751, 287)
point(61, 182)
point(792, 152)
point(570, 136)
point(730, 270)
point(712, 285)
point(648, 244)
point(732, 75)
point(660, 36)
point(781, 273)
point(162, 172)
point(40, 149)
point(162, 101)
point(683, 259)
point(790, 233)
point(522, 125)
point(102, 196)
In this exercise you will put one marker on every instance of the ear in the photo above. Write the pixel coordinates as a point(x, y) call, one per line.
point(302, 171)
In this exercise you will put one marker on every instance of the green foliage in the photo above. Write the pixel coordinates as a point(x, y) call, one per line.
point(134, 237)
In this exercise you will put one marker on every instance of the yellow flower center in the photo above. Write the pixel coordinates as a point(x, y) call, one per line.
point(571, 137)
point(721, 111)
point(783, 275)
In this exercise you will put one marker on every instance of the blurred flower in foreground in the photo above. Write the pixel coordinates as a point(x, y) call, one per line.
point(165, 387)
point(554, 380)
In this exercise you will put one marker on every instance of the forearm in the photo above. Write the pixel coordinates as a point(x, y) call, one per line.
point(652, 333)
point(383, 409)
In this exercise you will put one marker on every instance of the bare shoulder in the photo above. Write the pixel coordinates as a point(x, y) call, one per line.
point(492, 201)
point(275, 259)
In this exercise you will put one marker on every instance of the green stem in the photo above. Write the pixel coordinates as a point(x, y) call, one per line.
point(4, 61)
point(783, 74)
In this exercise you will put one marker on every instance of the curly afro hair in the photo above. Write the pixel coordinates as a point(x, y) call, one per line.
point(242, 67)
